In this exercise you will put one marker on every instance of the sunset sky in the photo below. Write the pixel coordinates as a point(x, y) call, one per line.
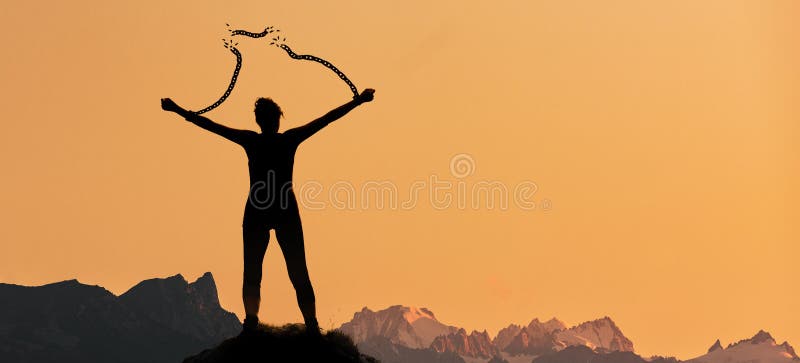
point(662, 136)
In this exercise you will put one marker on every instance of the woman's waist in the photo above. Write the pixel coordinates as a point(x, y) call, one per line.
point(271, 186)
point(271, 201)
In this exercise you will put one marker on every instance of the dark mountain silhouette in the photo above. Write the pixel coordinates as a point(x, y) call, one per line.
point(192, 309)
point(159, 320)
point(166, 320)
point(289, 343)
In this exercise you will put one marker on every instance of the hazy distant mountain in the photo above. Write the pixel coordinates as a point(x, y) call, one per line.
point(715, 346)
point(415, 328)
point(166, 320)
point(536, 338)
point(407, 326)
point(761, 348)
point(386, 351)
point(601, 335)
point(475, 345)
point(159, 320)
point(582, 353)
point(506, 335)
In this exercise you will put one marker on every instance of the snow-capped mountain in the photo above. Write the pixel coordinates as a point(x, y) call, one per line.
point(421, 338)
point(418, 328)
point(539, 338)
point(475, 345)
point(506, 335)
point(534, 339)
point(408, 326)
point(600, 335)
point(551, 325)
point(761, 348)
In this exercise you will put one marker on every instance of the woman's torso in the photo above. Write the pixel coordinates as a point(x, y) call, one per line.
point(270, 160)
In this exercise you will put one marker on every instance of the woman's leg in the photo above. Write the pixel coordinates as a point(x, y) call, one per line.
point(290, 238)
point(256, 238)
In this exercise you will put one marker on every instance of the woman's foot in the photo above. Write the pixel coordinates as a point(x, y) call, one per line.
point(312, 328)
point(250, 325)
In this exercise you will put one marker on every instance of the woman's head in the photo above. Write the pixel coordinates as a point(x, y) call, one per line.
point(268, 114)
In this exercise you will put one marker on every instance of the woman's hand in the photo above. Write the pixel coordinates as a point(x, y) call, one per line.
point(169, 105)
point(367, 95)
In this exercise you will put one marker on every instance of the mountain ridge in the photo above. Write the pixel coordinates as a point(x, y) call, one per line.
point(409, 326)
point(760, 348)
point(167, 319)
point(69, 321)
point(553, 341)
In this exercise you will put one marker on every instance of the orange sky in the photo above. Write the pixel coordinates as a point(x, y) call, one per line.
point(664, 133)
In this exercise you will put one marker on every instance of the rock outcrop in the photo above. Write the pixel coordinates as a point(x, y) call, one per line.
point(474, 345)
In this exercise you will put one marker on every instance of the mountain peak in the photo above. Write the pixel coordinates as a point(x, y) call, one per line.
point(600, 334)
point(158, 319)
point(475, 345)
point(717, 345)
point(506, 335)
point(205, 290)
point(606, 319)
point(70, 284)
point(65, 282)
point(555, 322)
point(206, 276)
point(789, 350)
point(407, 325)
point(761, 337)
point(176, 278)
point(412, 313)
point(761, 348)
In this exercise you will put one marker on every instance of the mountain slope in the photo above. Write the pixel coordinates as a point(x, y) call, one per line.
point(419, 329)
point(192, 309)
point(475, 345)
point(533, 342)
point(506, 335)
point(582, 353)
point(537, 338)
point(72, 322)
point(761, 348)
point(403, 325)
point(601, 334)
point(385, 351)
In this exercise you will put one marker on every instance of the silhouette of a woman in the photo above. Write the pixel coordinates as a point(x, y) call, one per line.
point(271, 202)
